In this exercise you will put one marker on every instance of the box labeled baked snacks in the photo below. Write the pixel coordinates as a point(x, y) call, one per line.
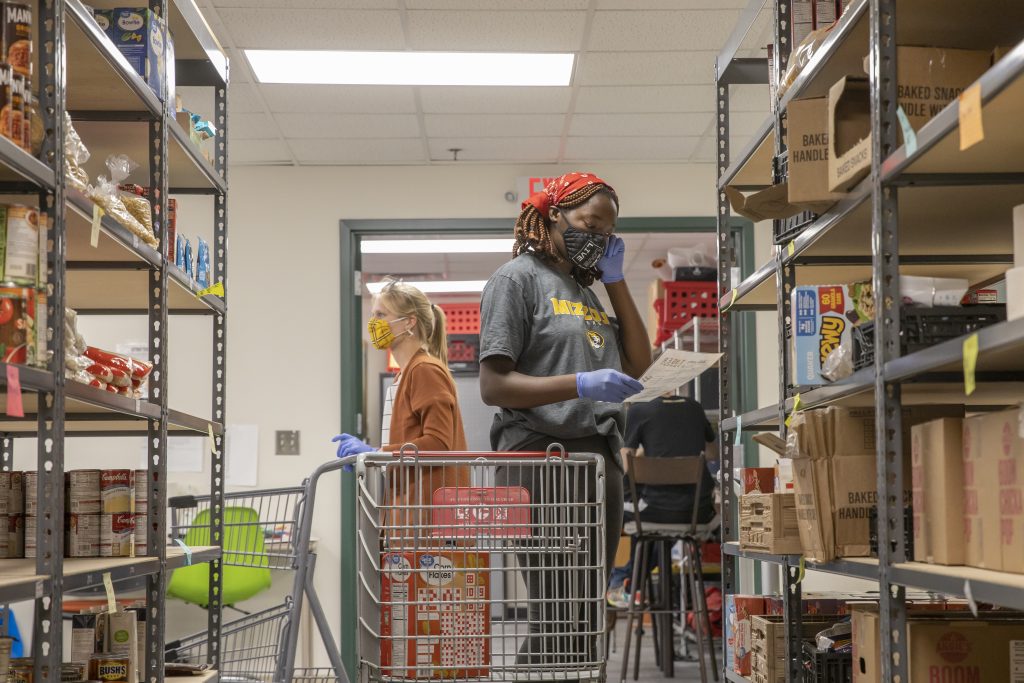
point(17, 37)
point(981, 503)
point(1003, 451)
point(937, 475)
point(442, 599)
point(807, 141)
point(138, 34)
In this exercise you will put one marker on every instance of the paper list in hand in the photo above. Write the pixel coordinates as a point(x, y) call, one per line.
point(672, 370)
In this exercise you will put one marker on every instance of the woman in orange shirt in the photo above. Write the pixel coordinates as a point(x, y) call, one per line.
point(421, 407)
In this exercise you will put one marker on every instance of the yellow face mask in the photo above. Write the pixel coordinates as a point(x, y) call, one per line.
point(381, 334)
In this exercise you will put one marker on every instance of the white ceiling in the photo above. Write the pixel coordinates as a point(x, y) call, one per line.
point(642, 91)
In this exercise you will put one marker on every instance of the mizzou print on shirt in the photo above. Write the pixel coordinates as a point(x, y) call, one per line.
point(580, 310)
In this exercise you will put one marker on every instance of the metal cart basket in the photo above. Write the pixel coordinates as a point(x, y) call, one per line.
point(481, 566)
point(263, 530)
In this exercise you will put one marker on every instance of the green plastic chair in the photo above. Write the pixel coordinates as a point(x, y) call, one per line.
point(243, 533)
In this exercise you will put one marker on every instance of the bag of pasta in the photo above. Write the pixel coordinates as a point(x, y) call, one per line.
point(107, 195)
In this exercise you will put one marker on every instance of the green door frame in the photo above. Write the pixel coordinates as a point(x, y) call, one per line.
point(352, 420)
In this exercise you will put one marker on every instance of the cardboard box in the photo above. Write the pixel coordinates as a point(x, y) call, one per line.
point(823, 320)
point(807, 141)
point(764, 205)
point(937, 474)
point(768, 644)
point(928, 78)
point(738, 611)
point(758, 479)
point(449, 593)
point(812, 604)
point(138, 34)
point(981, 504)
point(1015, 293)
point(767, 523)
point(1000, 434)
point(941, 647)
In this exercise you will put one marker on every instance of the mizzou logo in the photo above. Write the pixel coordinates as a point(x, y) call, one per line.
point(580, 310)
point(595, 339)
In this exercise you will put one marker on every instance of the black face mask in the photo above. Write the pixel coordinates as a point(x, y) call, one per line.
point(585, 249)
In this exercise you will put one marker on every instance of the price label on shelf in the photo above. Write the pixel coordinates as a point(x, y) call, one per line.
point(970, 363)
point(971, 129)
point(796, 407)
point(739, 431)
point(791, 248)
point(97, 217)
point(217, 289)
point(15, 407)
point(108, 586)
point(213, 440)
point(909, 136)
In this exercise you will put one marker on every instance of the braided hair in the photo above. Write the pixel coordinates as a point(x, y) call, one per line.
point(533, 230)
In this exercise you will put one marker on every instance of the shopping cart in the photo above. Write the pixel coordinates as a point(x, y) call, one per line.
point(486, 566)
point(263, 530)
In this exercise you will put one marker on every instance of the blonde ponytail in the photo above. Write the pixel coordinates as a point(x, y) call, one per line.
point(437, 344)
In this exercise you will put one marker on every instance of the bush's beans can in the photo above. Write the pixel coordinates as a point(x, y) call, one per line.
point(82, 492)
point(83, 539)
point(22, 670)
point(117, 535)
point(109, 668)
point(30, 536)
point(16, 497)
point(15, 536)
point(73, 672)
point(117, 491)
point(16, 322)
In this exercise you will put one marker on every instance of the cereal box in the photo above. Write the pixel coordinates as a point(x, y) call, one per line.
point(435, 617)
point(823, 320)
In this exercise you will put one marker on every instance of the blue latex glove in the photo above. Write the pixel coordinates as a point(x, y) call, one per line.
point(350, 445)
point(611, 262)
point(610, 386)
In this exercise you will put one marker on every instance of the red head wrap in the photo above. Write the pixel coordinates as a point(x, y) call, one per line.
point(560, 188)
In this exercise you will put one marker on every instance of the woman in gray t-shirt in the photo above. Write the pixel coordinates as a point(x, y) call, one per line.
point(559, 368)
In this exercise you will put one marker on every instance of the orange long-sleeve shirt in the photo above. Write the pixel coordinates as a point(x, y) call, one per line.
point(425, 411)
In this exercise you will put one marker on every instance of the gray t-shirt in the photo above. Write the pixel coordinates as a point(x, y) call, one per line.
point(549, 324)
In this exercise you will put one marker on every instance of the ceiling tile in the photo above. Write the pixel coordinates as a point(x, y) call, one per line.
point(629, 149)
point(646, 99)
point(640, 124)
point(530, 5)
point(334, 29)
point(498, 100)
point(252, 126)
point(364, 152)
point(494, 125)
point(670, 4)
point(647, 68)
point(349, 125)
point(259, 152)
point(661, 30)
point(243, 99)
point(349, 99)
point(544, 150)
point(495, 31)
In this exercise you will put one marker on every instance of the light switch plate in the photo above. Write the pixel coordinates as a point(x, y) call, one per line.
point(286, 442)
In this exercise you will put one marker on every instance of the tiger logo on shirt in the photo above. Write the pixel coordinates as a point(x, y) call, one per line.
point(596, 339)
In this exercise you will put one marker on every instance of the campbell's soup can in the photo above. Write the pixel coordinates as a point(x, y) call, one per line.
point(15, 536)
point(16, 322)
point(83, 537)
point(5, 493)
point(30, 536)
point(117, 491)
point(31, 491)
point(16, 494)
point(82, 492)
point(117, 535)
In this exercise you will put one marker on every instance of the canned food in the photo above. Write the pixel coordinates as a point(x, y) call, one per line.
point(15, 536)
point(16, 497)
point(17, 108)
point(5, 657)
point(31, 481)
point(5, 539)
point(117, 535)
point(22, 670)
point(109, 668)
point(21, 237)
point(141, 488)
point(6, 111)
point(5, 493)
point(73, 672)
point(82, 492)
point(83, 539)
point(30, 536)
point(16, 322)
point(18, 37)
point(40, 343)
point(117, 491)
point(141, 534)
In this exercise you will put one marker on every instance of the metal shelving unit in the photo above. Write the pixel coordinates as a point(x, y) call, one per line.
point(81, 72)
point(887, 225)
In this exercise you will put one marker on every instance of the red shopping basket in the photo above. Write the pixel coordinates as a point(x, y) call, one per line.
point(682, 302)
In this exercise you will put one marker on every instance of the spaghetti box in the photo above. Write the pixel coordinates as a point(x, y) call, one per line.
point(138, 33)
point(435, 614)
point(823, 319)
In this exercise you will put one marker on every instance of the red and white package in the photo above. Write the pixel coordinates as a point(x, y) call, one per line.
point(98, 383)
point(120, 378)
point(101, 372)
point(135, 368)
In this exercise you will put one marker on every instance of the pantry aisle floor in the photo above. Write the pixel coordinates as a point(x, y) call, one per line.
point(649, 670)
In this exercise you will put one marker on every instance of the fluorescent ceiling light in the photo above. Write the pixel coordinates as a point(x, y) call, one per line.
point(335, 67)
point(437, 286)
point(468, 246)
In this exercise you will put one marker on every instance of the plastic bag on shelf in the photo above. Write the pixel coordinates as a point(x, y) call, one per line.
point(74, 343)
point(838, 363)
point(203, 264)
point(136, 369)
point(107, 195)
point(76, 154)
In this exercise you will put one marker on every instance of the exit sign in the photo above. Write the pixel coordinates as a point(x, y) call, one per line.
point(527, 185)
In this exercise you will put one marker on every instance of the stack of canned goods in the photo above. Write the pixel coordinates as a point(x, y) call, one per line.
point(23, 291)
point(103, 518)
point(16, 75)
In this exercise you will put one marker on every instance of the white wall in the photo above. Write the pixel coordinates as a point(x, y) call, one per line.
point(284, 298)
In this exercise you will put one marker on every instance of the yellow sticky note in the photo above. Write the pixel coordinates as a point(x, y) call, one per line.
point(97, 217)
point(803, 570)
point(796, 407)
point(217, 289)
point(970, 363)
point(971, 129)
point(791, 248)
point(108, 585)
point(213, 441)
